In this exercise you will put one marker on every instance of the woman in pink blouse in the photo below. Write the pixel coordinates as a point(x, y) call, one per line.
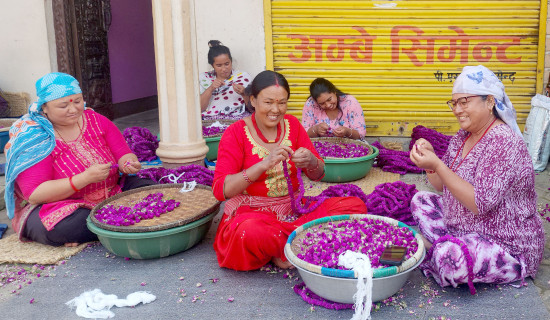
point(62, 160)
point(330, 112)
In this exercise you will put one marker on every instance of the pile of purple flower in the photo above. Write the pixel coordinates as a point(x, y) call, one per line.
point(324, 243)
point(142, 143)
point(439, 141)
point(344, 150)
point(186, 173)
point(213, 131)
point(148, 208)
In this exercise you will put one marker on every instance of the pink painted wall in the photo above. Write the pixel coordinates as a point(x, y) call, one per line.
point(131, 50)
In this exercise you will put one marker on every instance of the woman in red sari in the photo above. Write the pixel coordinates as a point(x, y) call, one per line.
point(257, 216)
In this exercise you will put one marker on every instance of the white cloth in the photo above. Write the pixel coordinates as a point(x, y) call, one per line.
point(482, 81)
point(96, 305)
point(359, 263)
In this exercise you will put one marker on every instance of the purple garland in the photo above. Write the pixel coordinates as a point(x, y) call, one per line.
point(392, 200)
point(388, 199)
point(439, 141)
point(467, 256)
point(394, 160)
point(312, 298)
point(188, 173)
point(142, 143)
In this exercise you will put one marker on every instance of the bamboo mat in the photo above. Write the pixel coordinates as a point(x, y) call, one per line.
point(375, 177)
point(14, 251)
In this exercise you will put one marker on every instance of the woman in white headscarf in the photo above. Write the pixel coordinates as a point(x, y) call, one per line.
point(484, 227)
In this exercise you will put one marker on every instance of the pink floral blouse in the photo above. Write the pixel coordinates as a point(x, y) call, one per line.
point(99, 142)
point(352, 115)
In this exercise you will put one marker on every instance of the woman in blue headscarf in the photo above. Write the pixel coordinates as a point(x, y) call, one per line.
point(62, 160)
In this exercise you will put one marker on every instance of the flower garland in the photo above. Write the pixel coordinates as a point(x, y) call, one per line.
point(312, 298)
point(296, 201)
point(148, 208)
point(323, 244)
point(467, 257)
point(388, 199)
point(328, 149)
point(394, 160)
point(185, 173)
point(142, 143)
point(439, 141)
point(392, 200)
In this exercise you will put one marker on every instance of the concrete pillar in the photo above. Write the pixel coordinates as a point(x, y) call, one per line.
point(181, 138)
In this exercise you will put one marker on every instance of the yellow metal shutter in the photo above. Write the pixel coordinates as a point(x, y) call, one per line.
point(399, 58)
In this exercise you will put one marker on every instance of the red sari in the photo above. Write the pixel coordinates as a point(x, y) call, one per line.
point(256, 224)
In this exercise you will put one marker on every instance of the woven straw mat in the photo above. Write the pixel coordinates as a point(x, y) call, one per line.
point(193, 205)
point(18, 103)
point(375, 177)
point(14, 251)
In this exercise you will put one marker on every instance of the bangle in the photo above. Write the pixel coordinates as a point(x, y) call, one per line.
point(428, 171)
point(350, 133)
point(313, 130)
point(245, 176)
point(72, 184)
point(316, 167)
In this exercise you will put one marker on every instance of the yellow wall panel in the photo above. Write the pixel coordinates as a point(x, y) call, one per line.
point(400, 58)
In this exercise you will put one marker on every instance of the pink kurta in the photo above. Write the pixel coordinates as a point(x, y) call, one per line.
point(100, 142)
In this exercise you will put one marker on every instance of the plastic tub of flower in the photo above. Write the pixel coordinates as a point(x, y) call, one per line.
point(345, 159)
point(154, 221)
point(212, 131)
point(314, 249)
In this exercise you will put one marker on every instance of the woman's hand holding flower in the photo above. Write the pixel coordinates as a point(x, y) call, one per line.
point(423, 155)
point(280, 153)
point(321, 129)
point(303, 158)
point(239, 88)
point(129, 164)
point(97, 173)
point(342, 132)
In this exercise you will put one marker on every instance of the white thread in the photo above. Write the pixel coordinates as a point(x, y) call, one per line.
point(361, 264)
point(96, 305)
point(188, 186)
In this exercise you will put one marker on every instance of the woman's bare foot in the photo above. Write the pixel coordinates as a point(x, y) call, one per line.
point(282, 264)
point(71, 244)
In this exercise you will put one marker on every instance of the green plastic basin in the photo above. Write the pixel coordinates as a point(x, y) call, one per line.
point(212, 144)
point(350, 169)
point(154, 244)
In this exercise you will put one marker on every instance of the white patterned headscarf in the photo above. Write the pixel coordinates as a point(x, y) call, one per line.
point(482, 81)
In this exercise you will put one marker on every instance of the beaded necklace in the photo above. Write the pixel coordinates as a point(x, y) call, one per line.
point(261, 135)
point(462, 146)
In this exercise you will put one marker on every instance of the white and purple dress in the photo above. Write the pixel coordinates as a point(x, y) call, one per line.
point(224, 102)
point(506, 239)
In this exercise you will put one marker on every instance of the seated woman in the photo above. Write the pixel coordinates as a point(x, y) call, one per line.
point(485, 226)
point(330, 112)
point(258, 217)
point(62, 160)
point(222, 90)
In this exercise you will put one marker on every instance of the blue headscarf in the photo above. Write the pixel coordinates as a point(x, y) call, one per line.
point(32, 137)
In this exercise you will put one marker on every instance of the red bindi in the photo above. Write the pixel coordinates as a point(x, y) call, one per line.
point(70, 100)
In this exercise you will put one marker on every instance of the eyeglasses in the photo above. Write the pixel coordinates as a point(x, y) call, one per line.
point(462, 102)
